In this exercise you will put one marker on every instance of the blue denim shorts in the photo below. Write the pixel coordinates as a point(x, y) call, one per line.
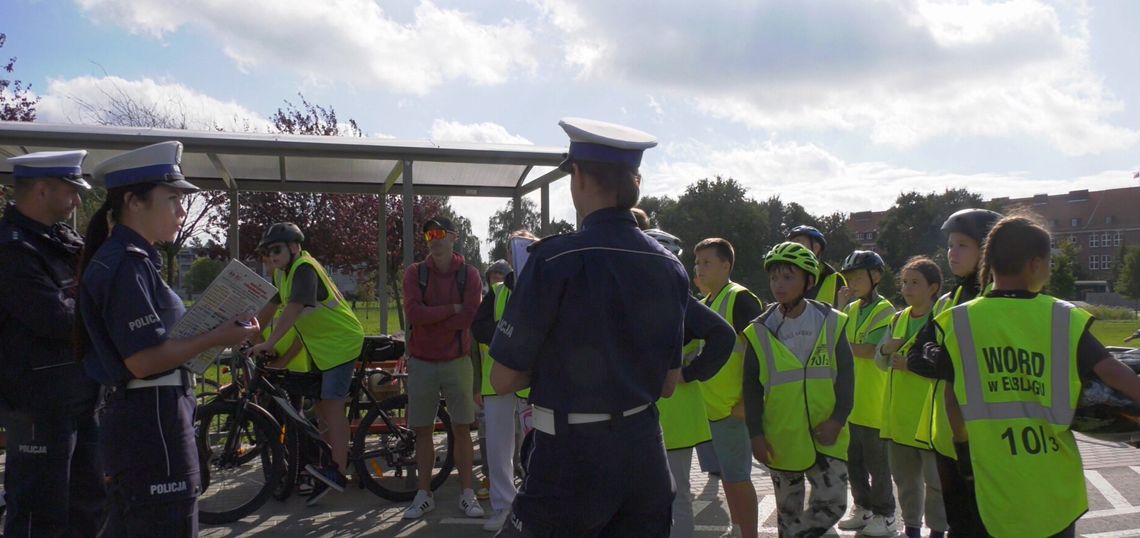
point(335, 382)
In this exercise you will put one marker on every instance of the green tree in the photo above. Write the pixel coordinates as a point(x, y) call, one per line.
point(720, 207)
point(202, 272)
point(1064, 274)
point(503, 224)
point(468, 243)
point(17, 102)
point(1128, 283)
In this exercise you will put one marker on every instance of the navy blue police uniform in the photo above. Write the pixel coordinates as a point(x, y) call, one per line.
point(596, 319)
point(147, 430)
point(53, 485)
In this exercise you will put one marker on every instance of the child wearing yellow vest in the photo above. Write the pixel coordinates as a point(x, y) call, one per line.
point(798, 386)
point(869, 314)
point(912, 462)
point(1018, 358)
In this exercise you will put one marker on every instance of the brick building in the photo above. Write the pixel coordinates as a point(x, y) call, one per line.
point(1100, 223)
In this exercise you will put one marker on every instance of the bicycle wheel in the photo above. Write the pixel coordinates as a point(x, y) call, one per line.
point(292, 468)
point(383, 450)
point(241, 460)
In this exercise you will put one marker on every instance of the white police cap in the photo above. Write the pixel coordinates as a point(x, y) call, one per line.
point(156, 163)
point(593, 140)
point(64, 165)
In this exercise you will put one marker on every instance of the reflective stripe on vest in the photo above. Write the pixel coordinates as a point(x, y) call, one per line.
point(870, 380)
point(799, 395)
point(1017, 401)
point(906, 394)
point(934, 427)
point(723, 391)
point(502, 295)
point(330, 331)
point(684, 422)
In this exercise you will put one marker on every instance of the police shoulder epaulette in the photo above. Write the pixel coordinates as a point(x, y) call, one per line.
point(137, 251)
point(548, 240)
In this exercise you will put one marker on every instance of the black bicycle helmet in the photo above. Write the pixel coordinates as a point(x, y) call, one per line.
point(671, 242)
point(863, 259)
point(811, 232)
point(281, 232)
point(974, 223)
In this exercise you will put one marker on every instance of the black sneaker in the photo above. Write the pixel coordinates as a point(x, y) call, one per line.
point(327, 478)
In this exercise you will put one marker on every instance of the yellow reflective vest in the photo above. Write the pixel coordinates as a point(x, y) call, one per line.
point(502, 295)
point(829, 289)
point(684, 422)
point(723, 391)
point(301, 362)
point(907, 392)
point(799, 395)
point(1017, 384)
point(870, 381)
point(330, 331)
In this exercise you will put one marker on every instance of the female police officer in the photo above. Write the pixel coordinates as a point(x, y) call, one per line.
point(147, 436)
point(576, 331)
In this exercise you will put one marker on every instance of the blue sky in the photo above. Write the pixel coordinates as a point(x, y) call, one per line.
point(837, 105)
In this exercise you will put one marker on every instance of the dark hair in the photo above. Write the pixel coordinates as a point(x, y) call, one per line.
point(783, 267)
point(525, 234)
point(614, 178)
point(641, 218)
point(98, 229)
point(1011, 243)
point(929, 270)
point(722, 247)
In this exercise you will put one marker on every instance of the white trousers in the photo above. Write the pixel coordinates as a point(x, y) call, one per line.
point(680, 464)
point(501, 414)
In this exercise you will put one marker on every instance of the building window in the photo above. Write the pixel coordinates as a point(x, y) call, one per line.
point(1106, 262)
point(1094, 263)
point(1075, 222)
point(1116, 240)
point(1052, 243)
point(1106, 239)
point(1109, 219)
point(1094, 240)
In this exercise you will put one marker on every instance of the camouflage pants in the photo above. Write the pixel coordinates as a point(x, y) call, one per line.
point(828, 501)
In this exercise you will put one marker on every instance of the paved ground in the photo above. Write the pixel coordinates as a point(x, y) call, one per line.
point(1112, 473)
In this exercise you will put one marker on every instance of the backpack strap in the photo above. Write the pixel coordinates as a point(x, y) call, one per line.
point(423, 270)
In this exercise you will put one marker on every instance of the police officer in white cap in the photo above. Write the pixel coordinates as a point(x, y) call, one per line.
point(595, 328)
point(147, 433)
point(52, 480)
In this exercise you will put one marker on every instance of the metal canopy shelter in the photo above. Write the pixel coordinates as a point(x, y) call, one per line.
point(253, 162)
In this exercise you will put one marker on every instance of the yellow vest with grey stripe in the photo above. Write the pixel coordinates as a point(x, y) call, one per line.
point(907, 392)
point(934, 423)
point(799, 395)
point(870, 381)
point(502, 294)
point(1017, 386)
point(829, 289)
point(302, 362)
point(684, 422)
point(723, 391)
point(330, 331)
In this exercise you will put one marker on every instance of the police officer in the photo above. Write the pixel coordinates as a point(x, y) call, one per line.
point(595, 328)
point(52, 478)
point(146, 420)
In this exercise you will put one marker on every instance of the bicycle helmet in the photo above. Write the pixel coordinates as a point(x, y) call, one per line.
point(281, 232)
point(795, 254)
point(863, 259)
point(671, 242)
point(974, 223)
point(501, 267)
point(810, 231)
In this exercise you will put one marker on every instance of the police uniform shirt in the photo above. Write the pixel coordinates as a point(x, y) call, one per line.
point(37, 314)
point(137, 311)
point(596, 317)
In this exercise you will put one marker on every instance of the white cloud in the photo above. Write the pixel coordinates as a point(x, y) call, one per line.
point(823, 182)
point(94, 100)
point(352, 41)
point(903, 72)
point(486, 132)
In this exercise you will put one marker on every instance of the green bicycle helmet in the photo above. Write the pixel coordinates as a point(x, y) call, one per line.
point(795, 254)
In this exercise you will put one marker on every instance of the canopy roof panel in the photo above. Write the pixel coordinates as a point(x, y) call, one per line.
point(305, 163)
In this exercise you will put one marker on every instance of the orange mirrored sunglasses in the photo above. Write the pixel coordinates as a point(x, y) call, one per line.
point(434, 234)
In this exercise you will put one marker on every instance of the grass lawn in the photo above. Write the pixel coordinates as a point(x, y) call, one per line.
point(1113, 333)
point(369, 315)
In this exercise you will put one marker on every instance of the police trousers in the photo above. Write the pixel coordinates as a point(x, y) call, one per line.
point(52, 482)
point(600, 479)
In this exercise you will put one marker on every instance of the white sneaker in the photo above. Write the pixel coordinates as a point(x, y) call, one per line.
point(857, 518)
point(422, 504)
point(732, 532)
point(469, 504)
point(880, 526)
point(496, 521)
